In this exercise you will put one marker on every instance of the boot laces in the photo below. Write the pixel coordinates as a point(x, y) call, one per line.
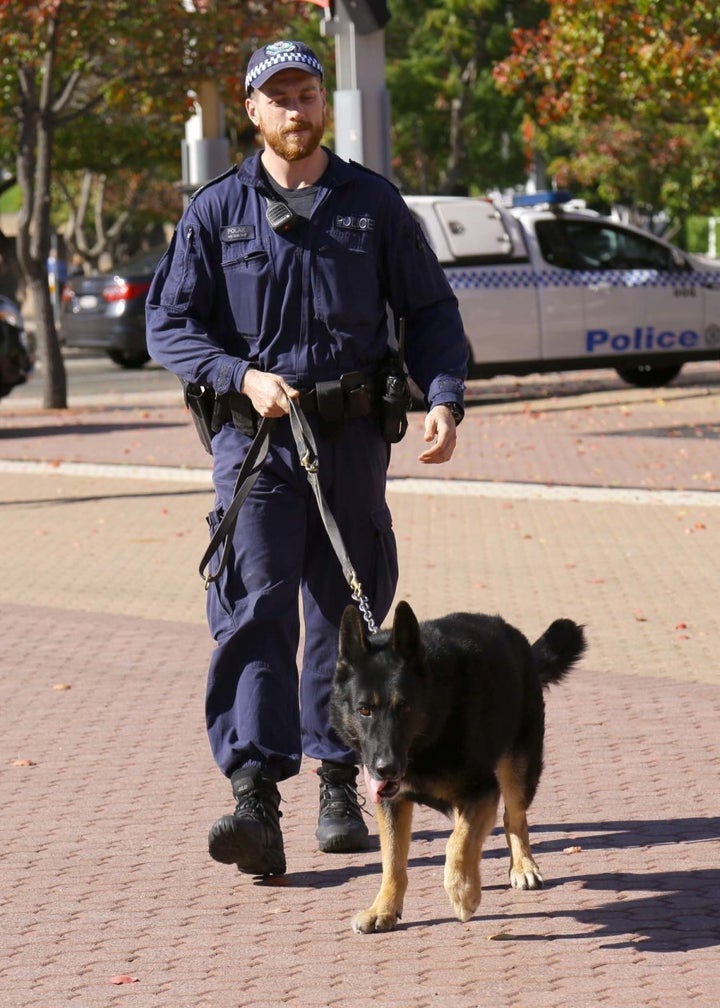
point(340, 799)
point(255, 805)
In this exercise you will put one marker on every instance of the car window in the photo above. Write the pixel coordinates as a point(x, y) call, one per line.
point(573, 244)
point(143, 262)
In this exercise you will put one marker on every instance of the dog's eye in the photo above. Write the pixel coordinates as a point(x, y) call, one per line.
point(365, 710)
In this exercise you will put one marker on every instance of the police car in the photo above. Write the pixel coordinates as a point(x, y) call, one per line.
point(546, 285)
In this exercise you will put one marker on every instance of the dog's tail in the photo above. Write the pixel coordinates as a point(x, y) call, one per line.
point(560, 647)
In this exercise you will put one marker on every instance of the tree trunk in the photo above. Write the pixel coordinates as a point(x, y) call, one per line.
point(50, 357)
point(34, 173)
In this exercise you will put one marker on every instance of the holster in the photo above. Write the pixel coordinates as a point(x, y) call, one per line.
point(393, 400)
point(201, 403)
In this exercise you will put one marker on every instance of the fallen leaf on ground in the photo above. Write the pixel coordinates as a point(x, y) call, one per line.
point(62, 686)
point(23, 762)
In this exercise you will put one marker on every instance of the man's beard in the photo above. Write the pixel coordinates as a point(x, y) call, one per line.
point(292, 144)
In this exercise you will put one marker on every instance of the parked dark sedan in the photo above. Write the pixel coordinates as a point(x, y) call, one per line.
point(106, 311)
point(16, 356)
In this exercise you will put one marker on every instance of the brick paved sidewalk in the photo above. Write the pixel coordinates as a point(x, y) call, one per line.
point(108, 787)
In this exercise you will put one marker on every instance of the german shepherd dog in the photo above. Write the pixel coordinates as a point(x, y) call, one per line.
point(450, 714)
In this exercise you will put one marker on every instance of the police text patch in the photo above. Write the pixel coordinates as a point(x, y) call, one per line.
point(237, 232)
point(362, 223)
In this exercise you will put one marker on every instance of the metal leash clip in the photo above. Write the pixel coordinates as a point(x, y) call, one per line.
point(363, 606)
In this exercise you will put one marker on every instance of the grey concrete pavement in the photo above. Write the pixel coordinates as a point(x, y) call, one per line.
point(108, 787)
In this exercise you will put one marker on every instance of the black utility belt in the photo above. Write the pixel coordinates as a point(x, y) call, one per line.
point(344, 398)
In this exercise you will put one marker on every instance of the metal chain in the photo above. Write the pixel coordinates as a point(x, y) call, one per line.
point(364, 606)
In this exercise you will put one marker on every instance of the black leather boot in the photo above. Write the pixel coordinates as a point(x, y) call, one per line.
point(341, 828)
point(251, 838)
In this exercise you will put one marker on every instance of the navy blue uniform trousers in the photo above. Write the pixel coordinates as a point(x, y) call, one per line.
point(258, 708)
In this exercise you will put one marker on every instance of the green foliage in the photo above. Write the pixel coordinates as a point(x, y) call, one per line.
point(10, 200)
point(106, 86)
point(628, 97)
point(452, 131)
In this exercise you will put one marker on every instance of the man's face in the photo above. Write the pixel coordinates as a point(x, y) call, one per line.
point(289, 110)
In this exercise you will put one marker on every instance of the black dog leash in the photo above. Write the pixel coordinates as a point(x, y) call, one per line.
point(248, 474)
point(308, 455)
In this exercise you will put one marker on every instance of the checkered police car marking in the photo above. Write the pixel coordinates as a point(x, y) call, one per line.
point(513, 277)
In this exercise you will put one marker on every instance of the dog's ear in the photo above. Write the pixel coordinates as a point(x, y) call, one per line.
point(352, 643)
point(406, 632)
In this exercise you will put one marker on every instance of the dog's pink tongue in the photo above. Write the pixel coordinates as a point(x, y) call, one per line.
point(373, 787)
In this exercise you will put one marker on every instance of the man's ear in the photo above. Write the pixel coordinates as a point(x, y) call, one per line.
point(251, 109)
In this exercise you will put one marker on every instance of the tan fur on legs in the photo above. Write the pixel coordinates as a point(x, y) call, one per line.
point(524, 873)
point(464, 850)
point(395, 828)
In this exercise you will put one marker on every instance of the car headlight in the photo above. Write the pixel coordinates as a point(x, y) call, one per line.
point(12, 316)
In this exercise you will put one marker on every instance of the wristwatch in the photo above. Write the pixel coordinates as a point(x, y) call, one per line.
point(456, 411)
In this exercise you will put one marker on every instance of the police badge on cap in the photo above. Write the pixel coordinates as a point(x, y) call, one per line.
point(276, 56)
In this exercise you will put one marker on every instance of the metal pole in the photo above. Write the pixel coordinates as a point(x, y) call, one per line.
point(361, 101)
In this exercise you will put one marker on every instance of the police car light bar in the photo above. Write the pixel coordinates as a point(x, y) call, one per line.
point(550, 197)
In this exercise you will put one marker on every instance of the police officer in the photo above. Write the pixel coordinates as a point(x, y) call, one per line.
point(276, 285)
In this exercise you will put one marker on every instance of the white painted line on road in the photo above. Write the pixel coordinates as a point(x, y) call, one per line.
point(434, 487)
point(173, 474)
point(557, 492)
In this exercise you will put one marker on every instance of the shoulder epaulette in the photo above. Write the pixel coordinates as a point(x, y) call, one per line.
point(370, 171)
point(213, 181)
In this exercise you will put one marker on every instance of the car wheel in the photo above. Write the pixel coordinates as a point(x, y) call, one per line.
point(649, 375)
point(127, 359)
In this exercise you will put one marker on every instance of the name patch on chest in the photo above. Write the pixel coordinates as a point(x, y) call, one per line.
point(360, 223)
point(237, 232)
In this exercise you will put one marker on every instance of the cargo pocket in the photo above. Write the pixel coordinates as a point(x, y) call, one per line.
point(248, 273)
point(219, 607)
point(386, 563)
point(182, 276)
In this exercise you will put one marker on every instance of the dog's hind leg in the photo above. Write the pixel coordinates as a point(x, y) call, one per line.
point(524, 873)
point(395, 828)
point(463, 883)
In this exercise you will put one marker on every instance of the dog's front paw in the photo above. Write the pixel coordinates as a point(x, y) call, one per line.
point(372, 920)
point(526, 875)
point(464, 892)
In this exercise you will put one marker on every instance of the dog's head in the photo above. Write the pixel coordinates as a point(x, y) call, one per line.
point(376, 704)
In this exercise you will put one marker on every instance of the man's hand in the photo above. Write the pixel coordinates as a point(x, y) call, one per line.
point(440, 429)
point(267, 392)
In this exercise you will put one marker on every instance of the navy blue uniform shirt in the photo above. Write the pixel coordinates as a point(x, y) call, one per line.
point(309, 304)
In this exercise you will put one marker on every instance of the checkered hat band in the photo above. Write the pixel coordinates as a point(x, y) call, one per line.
point(285, 57)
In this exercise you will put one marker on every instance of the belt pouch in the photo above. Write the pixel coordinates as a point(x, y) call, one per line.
point(243, 414)
point(330, 401)
point(357, 402)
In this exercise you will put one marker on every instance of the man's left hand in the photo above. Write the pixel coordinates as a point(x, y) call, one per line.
point(440, 433)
